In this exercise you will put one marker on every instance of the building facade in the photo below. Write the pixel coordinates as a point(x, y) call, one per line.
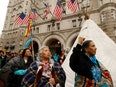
point(52, 32)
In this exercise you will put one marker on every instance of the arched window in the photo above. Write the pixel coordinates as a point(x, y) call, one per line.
point(113, 14)
point(103, 16)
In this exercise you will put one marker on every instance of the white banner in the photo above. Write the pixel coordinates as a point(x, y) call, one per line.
point(106, 51)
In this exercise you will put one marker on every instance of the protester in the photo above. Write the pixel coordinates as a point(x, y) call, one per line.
point(59, 56)
point(89, 71)
point(20, 52)
point(13, 71)
point(44, 72)
point(2, 59)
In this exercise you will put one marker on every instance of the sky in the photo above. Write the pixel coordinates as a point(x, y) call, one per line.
point(3, 10)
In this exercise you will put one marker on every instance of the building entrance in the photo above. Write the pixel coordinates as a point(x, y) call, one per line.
point(55, 46)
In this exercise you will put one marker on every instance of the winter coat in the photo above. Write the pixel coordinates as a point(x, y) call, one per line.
point(7, 72)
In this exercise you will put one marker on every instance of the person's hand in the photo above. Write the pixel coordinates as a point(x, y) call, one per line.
point(80, 40)
point(52, 81)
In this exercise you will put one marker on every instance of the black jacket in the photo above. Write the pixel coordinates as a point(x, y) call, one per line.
point(80, 62)
point(7, 72)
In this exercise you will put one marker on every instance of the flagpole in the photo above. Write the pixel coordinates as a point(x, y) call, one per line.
point(31, 37)
point(50, 11)
point(78, 5)
point(32, 41)
point(37, 8)
point(51, 14)
point(32, 48)
point(62, 7)
point(40, 16)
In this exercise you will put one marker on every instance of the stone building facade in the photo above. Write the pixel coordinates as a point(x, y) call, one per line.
point(51, 32)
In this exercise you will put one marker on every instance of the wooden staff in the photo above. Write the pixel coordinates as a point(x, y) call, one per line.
point(38, 78)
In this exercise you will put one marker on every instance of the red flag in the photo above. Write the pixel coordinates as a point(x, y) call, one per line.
point(58, 10)
point(33, 15)
point(22, 19)
point(72, 5)
point(47, 11)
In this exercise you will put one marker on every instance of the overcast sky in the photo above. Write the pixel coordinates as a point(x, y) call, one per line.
point(3, 10)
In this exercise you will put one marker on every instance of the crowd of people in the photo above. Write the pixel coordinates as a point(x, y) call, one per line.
point(16, 67)
point(45, 69)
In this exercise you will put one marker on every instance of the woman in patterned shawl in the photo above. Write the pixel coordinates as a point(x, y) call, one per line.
point(44, 72)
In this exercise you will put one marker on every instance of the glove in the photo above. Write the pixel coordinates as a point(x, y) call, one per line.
point(20, 72)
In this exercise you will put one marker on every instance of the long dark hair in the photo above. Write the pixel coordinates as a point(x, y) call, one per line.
point(24, 51)
point(86, 44)
point(30, 59)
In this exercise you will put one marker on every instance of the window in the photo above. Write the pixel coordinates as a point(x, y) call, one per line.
point(37, 29)
point(49, 28)
point(74, 23)
point(58, 26)
point(113, 14)
point(33, 29)
point(11, 25)
point(103, 17)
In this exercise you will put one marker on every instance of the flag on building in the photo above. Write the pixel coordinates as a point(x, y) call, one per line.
point(58, 10)
point(72, 5)
point(47, 11)
point(22, 19)
point(29, 29)
point(33, 15)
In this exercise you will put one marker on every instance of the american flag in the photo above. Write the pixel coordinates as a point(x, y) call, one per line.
point(72, 5)
point(22, 19)
point(58, 10)
point(47, 11)
point(33, 15)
